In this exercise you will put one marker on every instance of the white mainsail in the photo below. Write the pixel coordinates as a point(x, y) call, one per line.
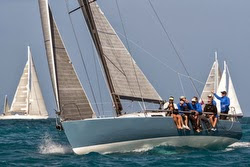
point(28, 99)
point(234, 103)
point(20, 101)
point(213, 80)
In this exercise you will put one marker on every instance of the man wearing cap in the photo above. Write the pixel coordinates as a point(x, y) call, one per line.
point(196, 112)
point(172, 108)
point(224, 103)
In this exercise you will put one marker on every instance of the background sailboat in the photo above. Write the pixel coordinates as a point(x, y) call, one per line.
point(28, 101)
point(218, 82)
point(6, 109)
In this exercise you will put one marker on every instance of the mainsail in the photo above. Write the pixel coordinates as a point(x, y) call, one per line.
point(6, 106)
point(234, 103)
point(20, 101)
point(125, 79)
point(70, 96)
point(213, 80)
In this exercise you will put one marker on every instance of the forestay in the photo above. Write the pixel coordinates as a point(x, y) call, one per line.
point(127, 79)
point(70, 96)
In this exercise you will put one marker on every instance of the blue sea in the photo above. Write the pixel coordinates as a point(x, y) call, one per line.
point(38, 143)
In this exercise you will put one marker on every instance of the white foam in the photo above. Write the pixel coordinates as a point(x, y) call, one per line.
point(50, 147)
point(240, 145)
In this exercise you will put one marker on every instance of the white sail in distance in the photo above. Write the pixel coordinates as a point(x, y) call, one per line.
point(222, 86)
point(36, 101)
point(6, 106)
point(213, 80)
point(235, 108)
point(28, 99)
point(20, 102)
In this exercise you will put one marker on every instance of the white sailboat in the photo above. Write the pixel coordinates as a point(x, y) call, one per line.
point(218, 82)
point(28, 101)
point(123, 132)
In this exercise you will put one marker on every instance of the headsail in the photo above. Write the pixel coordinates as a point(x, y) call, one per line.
point(124, 77)
point(36, 102)
point(213, 80)
point(6, 106)
point(234, 103)
point(70, 96)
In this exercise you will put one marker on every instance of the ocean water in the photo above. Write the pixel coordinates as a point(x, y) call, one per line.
point(38, 143)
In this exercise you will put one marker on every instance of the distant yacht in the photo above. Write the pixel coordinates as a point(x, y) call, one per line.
point(218, 82)
point(28, 101)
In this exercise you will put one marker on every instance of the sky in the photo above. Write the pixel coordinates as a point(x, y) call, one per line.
point(197, 29)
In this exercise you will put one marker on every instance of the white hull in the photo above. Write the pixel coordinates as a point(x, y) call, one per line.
point(147, 144)
point(23, 117)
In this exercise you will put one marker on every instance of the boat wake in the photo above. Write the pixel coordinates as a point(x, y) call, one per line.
point(238, 145)
point(50, 147)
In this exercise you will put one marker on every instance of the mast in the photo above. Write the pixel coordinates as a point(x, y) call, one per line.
point(29, 77)
point(216, 83)
point(86, 10)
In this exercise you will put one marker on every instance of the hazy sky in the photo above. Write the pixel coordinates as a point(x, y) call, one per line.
point(196, 27)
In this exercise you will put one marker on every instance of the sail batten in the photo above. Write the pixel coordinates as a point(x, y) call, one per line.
point(71, 99)
point(125, 78)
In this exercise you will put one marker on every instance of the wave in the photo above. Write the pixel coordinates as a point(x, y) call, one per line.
point(48, 146)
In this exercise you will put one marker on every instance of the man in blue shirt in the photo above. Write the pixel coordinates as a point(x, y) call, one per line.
point(224, 103)
point(196, 112)
point(184, 105)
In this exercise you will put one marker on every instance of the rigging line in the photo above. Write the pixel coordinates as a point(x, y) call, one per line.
point(183, 91)
point(172, 44)
point(97, 77)
point(83, 62)
point(123, 27)
point(161, 61)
